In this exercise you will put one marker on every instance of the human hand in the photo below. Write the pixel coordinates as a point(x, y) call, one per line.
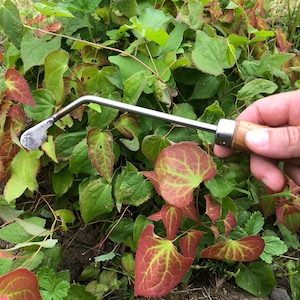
point(281, 111)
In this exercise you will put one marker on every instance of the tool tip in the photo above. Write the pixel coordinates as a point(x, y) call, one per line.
point(34, 137)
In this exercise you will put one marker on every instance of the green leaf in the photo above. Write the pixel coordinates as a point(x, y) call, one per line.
point(62, 181)
point(133, 87)
point(79, 292)
point(175, 38)
point(50, 286)
point(212, 114)
point(45, 103)
point(221, 185)
point(32, 229)
point(131, 187)
point(52, 9)
point(294, 278)
point(129, 126)
point(128, 8)
point(95, 80)
point(206, 86)
point(289, 238)
point(11, 22)
point(273, 247)
point(56, 64)
point(192, 14)
point(255, 87)
point(66, 216)
point(270, 63)
point(152, 24)
point(25, 166)
point(140, 224)
point(15, 233)
point(255, 223)
point(66, 142)
point(257, 278)
point(8, 214)
point(122, 232)
point(34, 50)
point(96, 200)
point(80, 162)
point(49, 243)
point(86, 6)
point(152, 145)
point(162, 93)
point(210, 54)
point(105, 257)
point(49, 148)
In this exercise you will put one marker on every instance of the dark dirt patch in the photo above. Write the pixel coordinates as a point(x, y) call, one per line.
point(79, 249)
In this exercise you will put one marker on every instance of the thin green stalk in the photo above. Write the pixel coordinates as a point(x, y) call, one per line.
point(296, 21)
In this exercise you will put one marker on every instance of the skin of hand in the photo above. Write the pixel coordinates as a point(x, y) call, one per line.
point(282, 141)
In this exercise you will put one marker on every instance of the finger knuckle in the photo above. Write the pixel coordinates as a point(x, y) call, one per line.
point(293, 136)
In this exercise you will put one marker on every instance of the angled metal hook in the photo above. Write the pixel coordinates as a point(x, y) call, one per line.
point(33, 138)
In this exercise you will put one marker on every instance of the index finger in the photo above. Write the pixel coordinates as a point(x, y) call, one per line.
point(276, 110)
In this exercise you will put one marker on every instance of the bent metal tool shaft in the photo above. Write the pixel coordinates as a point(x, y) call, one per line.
point(229, 133)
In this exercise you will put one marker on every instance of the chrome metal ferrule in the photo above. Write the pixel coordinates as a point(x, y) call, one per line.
point(225, 132)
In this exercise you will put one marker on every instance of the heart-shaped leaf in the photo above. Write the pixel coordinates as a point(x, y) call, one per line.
point(180, 169)
point(161, 267)
point(246, 249)
point(20, 284)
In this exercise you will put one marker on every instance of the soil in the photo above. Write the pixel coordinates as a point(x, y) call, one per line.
point(79, 251)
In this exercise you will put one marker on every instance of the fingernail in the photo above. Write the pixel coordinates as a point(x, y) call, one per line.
point(265, 181)
point(258, 138)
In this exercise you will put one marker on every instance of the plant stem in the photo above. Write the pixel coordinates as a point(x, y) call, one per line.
point(123, 53)
point(295, 24)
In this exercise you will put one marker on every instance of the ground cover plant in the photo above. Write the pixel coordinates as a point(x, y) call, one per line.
point(165, 210)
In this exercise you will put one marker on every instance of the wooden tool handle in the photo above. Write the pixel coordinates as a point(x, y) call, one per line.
point(238, 141)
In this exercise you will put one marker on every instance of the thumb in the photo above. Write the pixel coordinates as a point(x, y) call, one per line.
point(278, 143)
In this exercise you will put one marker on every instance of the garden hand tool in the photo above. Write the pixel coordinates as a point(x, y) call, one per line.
point(228, 133)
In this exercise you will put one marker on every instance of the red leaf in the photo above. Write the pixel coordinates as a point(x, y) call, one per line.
point(55, 27)
point(159, 266)
point(17, 119)
point(215, 231)
point(180, 169)
point(152, 176)
point(7, 152)
point(172, 219)
point(283, 44)
point(190, 211)
point(289, 215)
point(4, 254)
point(17, 88)
point(189, 243)
point(100, 147)
point(1, 56)
point(213, 209)
point(20, 284)
point(155, 217)
point(229, 222)
point(243, 250)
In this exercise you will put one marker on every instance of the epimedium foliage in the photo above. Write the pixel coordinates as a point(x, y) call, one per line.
point(198, 59)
